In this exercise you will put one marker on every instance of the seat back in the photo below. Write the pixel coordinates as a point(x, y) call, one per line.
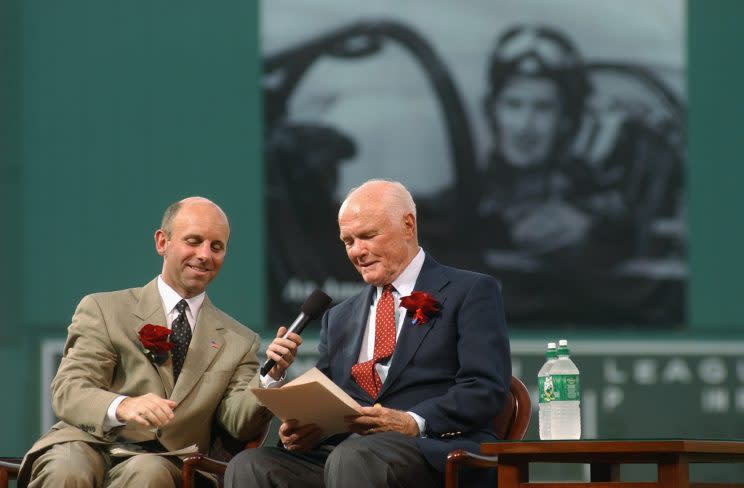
point(514, 419)
point(8, 470)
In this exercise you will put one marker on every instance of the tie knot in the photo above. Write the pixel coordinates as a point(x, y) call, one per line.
point(181, 306)
point(388, 289)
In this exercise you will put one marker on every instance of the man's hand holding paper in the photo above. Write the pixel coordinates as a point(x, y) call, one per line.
point(296, 437)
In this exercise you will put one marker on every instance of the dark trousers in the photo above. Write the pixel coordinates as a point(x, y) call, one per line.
point(388, 459)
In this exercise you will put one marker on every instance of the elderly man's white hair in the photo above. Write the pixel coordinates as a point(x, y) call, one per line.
point(400, 201)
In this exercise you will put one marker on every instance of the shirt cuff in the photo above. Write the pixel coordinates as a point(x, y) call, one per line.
point(420, 421)
point(111, 421)
point(267, 381)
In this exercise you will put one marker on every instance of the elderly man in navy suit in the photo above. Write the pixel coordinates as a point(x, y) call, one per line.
point(424, 349)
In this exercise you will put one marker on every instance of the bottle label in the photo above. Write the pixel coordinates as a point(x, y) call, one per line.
point(545, 389)
point(566, 387)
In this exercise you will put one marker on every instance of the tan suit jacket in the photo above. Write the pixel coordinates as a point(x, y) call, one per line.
point(103, 358)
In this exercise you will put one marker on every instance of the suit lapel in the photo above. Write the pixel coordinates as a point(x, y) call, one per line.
point(149, 310)
point(206, 343)
point(431, 279)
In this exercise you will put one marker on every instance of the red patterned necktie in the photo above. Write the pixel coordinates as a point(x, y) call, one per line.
point(365, 373)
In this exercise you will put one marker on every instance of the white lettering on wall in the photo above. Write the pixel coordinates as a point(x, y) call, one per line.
point(612, 373)
point(297, 290)
point(712, 371)
point(612, 397)
point(714, 400)
point(676, 371)
point(739, 399)
point(645, 370)
point(341, 290)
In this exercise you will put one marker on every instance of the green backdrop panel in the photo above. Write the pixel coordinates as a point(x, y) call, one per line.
point(128, 106)
point(716, 170)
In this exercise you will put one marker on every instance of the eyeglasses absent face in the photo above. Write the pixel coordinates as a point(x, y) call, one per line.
point(527, 114)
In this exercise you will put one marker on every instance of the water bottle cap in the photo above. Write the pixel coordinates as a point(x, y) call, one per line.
point(563, 342)
point(551, 345)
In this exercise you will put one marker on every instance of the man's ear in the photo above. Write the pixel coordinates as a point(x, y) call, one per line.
point(409, 222)
point(161, 242)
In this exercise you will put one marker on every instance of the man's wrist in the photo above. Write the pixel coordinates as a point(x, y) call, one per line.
point(420, 422)
point(111, 419)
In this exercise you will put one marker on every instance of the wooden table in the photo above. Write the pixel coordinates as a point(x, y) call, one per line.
point(604, 457)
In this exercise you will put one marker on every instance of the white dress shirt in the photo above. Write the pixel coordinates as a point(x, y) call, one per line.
point(403, 285)
point(170, 299)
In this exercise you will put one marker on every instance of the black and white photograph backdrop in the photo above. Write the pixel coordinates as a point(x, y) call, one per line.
point(543, 143)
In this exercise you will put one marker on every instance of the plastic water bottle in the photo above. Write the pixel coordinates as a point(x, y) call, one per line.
point(545, 391)
point(565, 418)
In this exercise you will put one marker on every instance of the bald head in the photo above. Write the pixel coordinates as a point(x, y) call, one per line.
point(390, 196)
point(377, 224)
point(166, 225)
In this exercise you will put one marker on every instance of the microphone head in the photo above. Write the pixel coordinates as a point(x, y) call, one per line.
point(316, 304)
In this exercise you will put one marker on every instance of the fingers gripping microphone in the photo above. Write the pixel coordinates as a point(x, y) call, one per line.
point(314, 306)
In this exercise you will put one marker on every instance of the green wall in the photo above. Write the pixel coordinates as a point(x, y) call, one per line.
point(19, 413)
point(716, 164)
point(126, 107)
point(111, 110)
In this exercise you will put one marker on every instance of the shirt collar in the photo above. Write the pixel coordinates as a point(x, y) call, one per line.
point(170, 298)
point(405, 281)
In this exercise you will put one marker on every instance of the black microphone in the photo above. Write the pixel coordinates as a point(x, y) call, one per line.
point(314, 306)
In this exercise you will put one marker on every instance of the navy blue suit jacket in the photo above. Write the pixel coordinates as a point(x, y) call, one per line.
point(454, 370)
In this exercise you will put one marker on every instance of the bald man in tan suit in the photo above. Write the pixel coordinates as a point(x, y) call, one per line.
point(107, 390)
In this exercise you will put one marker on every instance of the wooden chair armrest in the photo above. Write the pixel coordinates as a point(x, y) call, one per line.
point(9, 468)
point(458, 458)
point(198, 461)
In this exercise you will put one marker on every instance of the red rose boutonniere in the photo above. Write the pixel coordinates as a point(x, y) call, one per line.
point(423, 306)
point(154, 339)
